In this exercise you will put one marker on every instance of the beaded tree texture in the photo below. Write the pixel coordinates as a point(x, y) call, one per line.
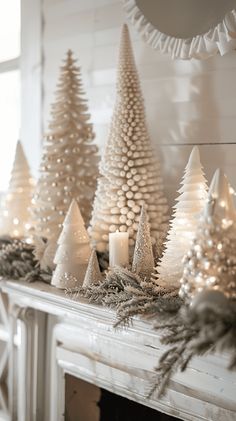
point(73, 252)
point(130, 172)
point(16, 203)
point(69, 162)
point(187, 210)
point(210, 263)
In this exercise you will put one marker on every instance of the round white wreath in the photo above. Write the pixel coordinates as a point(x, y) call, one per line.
point(221, 38)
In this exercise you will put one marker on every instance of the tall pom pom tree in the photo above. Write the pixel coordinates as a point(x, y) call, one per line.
point(68, 167)
point(16, 203)
point(186, 214)
point(130, 172)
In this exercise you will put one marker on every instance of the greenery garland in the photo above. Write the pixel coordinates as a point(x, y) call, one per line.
point(17, 261)
point(205, 328)
point(130, 295)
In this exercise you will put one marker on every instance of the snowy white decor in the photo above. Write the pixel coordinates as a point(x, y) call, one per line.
point(93, 274)
point(73, 251)
point(16, 203)
point(210, 263)
point(69, 162)
point(130, 172)
point(221, 37)
point(143, 260)
point(190, 203)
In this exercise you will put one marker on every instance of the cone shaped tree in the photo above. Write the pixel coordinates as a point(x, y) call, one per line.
point(143, 260)
point(15, 206)
point(69, 162)
point(187, 211)
point(73, 251)
point(93, 274)
point(130, 172)
point(210, 262)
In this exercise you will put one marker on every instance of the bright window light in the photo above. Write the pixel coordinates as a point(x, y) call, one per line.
point(9, 122)
point(9, 86)
point(9, 29)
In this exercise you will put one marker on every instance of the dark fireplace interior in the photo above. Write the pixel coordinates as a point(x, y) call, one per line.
point(86, 402)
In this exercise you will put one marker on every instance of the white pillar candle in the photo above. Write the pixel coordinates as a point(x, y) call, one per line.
point(118, 249)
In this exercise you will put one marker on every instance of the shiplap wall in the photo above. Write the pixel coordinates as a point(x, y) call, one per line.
point(187, 102)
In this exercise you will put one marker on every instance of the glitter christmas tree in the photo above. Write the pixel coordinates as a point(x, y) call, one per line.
point(15, 206)
point(190, 203)
point(69, 163)
point(73, 251)
point(93, 274)
point(143, 260)
point(210, 262)
point(130, 172)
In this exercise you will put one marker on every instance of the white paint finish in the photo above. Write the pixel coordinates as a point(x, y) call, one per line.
point(4, 357)
point(31, 365)
point(85, 345)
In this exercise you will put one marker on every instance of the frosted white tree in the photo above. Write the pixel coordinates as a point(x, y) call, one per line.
point(210, 263)
point(130, 171)
point(73, 252)
point(69, 162)
point(143, 260)
point(15, 206)
point(93, 274)
point(186, 214)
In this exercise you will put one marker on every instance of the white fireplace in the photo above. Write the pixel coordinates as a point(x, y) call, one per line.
point(52, 335)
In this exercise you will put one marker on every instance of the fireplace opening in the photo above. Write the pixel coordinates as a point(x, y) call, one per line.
point(87, 402)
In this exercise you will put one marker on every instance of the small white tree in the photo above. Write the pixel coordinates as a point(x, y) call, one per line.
point(73, 251)
point(15, 206)
point(187, 211)
point(93, 274)
point(130, 171)
point(143, 260)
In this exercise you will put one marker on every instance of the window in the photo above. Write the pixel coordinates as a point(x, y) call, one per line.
point(9, 86)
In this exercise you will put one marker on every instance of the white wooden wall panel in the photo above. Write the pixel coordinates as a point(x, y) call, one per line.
point(187, 102)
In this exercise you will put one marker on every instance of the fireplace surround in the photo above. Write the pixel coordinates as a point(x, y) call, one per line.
point(51, 336)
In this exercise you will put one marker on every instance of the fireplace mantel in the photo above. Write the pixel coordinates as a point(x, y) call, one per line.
point(83, 343)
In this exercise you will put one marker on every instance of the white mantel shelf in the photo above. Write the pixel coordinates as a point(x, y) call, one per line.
point(123, 360)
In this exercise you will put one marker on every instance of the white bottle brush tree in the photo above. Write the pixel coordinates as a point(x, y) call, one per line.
point(187, 211)
point(130, 172)
point(73, 252)
point(210, 263)
point(69, 162)
point(16, 203)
